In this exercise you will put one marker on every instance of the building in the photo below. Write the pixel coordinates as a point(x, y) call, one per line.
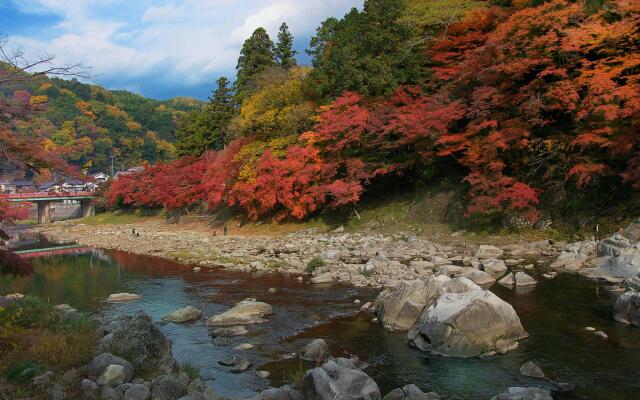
point(133, 170)
point(7, 187)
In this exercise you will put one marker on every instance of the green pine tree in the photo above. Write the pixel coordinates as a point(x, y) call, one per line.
point(284, 53)
point(206, 129)
point(255, 57)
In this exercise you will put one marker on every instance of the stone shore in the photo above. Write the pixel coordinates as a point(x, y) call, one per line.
point(361, 259)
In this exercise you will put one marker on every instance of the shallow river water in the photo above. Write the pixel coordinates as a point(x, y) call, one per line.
point(554, 313)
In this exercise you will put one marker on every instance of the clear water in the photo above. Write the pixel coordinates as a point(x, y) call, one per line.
point(555, 313)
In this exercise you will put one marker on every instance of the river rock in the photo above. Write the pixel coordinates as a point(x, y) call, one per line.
point(627, 308)
point(493, 266)
point(122, 297)
point(322, 278)
point(573, 256)
point(332, 381)
point(632, 284)
point(410, 392)
point(244, 346)
point(626, 265)
point(460, 285)
point(612, 246)
point(237, 363)
point(531, 370)
point(138, 337)
point(248, 311)
point(400, 307)
point(281, 393)
point(489, 251)
point(524, 393)
point(186, 314)
point(228, 331)
point(167, 387)
point(65, 309)
point(522, 279)
point(632, 231)
point(317, 350)
point(98, 366)
point(137, 392)
point(468, 324)
point(480, 277)
point(507, 280)
point(113, 375)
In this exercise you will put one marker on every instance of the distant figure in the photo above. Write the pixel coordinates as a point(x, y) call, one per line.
point(621, 231)
point(224, 229)
point(135, 232)
point(215, 233)
point(597, 232)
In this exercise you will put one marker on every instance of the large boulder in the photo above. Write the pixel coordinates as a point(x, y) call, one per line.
point(186, 314)
point(524, 393)
point(137, 337)
point(339, 381)
point(632, 231)
point(613, 246)
point(410, 392)
point(626, 265)
point(469, 324)
point(627, 308)
point(248, 311)
point(317, 350)
point(400, 307)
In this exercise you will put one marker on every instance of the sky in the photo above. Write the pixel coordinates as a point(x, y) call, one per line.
point(158, 48)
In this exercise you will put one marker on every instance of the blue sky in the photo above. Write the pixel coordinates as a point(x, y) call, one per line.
point(158, 48)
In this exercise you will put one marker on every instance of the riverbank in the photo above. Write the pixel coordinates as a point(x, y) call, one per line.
point(360, 259)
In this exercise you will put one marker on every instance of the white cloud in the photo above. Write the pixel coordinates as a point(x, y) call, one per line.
point(187, 42)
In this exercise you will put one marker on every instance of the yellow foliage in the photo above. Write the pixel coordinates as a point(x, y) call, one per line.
point(48, 145)
point(45, 86)
point(83, 106)
point(251, 153)
point(36, 100)
point(114, 110)
point(67, 92)
point(279, 108)
point(134, 126)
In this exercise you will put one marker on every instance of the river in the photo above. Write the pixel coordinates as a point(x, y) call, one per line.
point(554, 313)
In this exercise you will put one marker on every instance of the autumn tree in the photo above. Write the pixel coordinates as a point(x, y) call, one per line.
point(284, 53)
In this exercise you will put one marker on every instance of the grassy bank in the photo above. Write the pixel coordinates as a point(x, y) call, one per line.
point(35, 337)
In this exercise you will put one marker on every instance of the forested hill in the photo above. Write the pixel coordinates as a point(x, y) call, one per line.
point(86, 124)
point(533, 106)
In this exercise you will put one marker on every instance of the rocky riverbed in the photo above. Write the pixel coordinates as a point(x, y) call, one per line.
point(359, 259)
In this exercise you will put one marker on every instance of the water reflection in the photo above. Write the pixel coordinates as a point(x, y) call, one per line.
point(554, 313)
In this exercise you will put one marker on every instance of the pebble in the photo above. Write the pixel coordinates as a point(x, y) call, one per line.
point(244, 346)
point(272, 290)
point(196, 269)
point(356, 302)
point(374, 320)
point(590, 328)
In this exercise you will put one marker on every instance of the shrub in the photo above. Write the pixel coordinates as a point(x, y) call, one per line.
point(191, 370)
point(315, 263)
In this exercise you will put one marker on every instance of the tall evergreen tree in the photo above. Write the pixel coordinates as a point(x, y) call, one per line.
point(285, 55)
point(255, 57)
point(202, 130)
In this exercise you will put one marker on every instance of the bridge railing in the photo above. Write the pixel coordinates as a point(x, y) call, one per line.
point(50, 195)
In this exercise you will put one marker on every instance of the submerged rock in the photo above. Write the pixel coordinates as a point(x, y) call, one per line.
point(317, 350)
point(121, 297)
point(531, 370)
point(410, 392)
point(524, 393)
point(248, 311)
point(186, 314)
point(627, 308)
point(469, 324)
point(322, 278)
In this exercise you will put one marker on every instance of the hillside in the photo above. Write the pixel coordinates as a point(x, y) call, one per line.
point(86, 123)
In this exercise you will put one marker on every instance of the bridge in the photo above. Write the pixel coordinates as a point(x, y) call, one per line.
point(44, 199)
point(54, 251)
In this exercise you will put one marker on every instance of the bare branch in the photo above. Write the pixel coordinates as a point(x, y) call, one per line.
point(19, 68)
